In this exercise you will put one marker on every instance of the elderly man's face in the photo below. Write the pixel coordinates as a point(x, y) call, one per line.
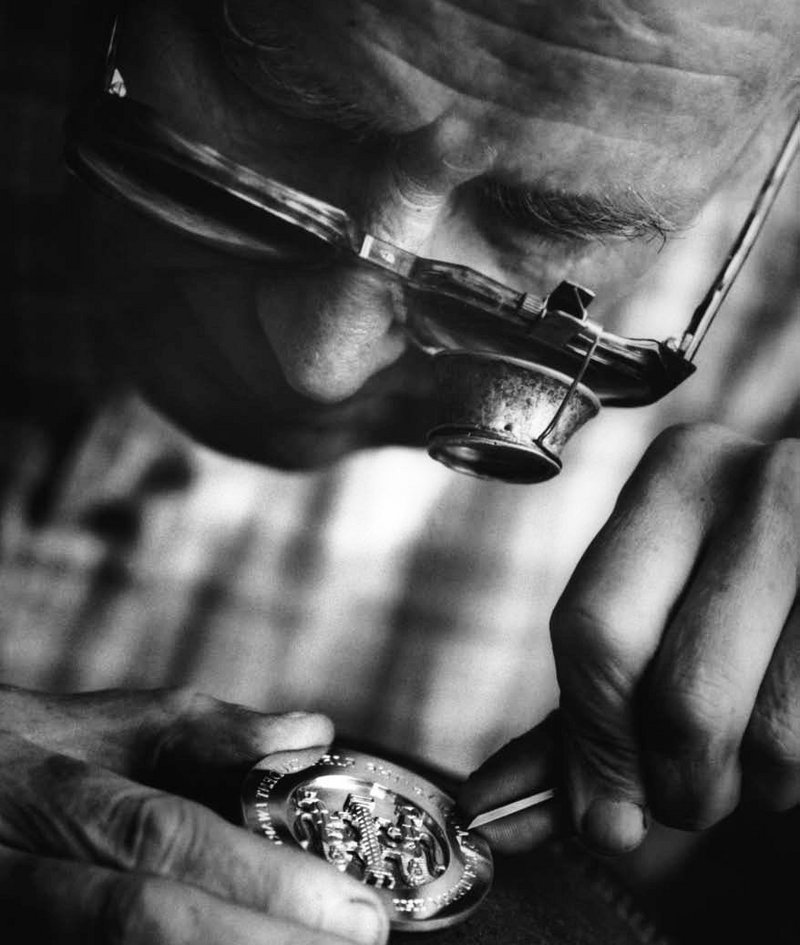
point(533, 140)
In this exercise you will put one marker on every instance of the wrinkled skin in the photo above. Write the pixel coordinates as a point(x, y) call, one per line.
point(107, 832)
point(608, 99)
point(675, 641)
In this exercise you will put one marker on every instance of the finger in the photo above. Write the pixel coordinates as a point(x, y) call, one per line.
point(204, 747)
point(67, 903)
point(771, 744)
point(523, 766)
point(609, 623)
point(60, 807)
point(527, 829)
point(175, 739)
point(704, 683)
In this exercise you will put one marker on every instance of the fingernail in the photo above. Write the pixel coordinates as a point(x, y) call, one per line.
point(363, 921)
point(612, 826)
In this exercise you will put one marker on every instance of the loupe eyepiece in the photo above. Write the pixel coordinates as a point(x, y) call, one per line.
point(505, 418)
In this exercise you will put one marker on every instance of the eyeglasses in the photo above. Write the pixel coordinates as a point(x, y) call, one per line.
point(126, 149)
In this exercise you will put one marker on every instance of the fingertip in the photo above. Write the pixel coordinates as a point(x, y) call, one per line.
point(295, 731)
point(613, 826)
point(305, 888)
point(365, 921)
point(471, 795)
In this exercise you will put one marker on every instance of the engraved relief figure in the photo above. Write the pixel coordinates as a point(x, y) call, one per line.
point(392, 851)
point(411, 847)
point(324, 832)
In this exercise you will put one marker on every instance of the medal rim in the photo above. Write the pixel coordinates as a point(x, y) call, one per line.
point(466, 852)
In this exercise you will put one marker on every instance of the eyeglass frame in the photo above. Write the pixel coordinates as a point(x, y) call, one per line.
point(558, 323)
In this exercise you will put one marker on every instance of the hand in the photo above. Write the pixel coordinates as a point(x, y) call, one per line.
point(677, 645)
point(93, 848)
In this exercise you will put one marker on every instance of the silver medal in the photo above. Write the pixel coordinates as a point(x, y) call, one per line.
point(378, 822)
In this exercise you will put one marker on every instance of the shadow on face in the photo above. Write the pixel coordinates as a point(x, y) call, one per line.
point(531, 143)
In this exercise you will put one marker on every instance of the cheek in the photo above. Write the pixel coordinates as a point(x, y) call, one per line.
point(612, 273)
point(181, 318)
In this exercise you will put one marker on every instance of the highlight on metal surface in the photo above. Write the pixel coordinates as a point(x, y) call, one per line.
point(517, 374)
point(707, 310)
point(378, 822)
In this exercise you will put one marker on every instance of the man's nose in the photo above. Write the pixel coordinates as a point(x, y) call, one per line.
point(333, 329)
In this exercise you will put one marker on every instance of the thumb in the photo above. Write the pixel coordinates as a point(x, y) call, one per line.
point(527, 765)
point(606, 793)
point(174, 740)
point(202, 747)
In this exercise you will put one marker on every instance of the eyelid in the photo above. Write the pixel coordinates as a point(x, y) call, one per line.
point(512, 227)
point(534, 218)
point(574, 218)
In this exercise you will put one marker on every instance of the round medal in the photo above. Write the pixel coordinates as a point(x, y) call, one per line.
point(374, 820)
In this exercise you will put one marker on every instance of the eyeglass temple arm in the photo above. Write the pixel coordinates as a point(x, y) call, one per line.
point(110, 63)
point(706, 311)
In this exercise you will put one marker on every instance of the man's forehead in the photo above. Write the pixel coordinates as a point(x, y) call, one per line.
point(551, 81)
point(526, 55)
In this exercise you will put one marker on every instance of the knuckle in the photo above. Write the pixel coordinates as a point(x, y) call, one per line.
point(693, 720)
point(783, 459)
point(594, 649)
point(692, 733)
point(766, 493)
point(155, 832)
point(573, 627)
point(580, 630)
point(777, 475)
point(683, 441)
point(691, 760)
point(773, 743)
point(182, 701)
point(687, 456)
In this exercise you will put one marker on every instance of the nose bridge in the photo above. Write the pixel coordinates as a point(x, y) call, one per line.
point(333, 330)
point(414, 179)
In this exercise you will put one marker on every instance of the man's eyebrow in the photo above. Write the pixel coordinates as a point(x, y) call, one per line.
point(559, 216)
point(563, 216)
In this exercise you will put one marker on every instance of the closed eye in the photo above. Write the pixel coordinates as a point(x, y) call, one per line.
point(560, 216)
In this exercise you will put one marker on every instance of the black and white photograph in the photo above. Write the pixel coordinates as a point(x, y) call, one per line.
point(399, 472)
